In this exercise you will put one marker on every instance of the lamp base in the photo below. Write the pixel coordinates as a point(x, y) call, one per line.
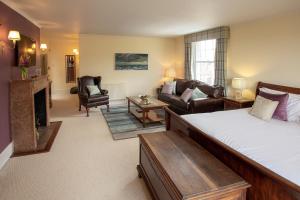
point(238, 94)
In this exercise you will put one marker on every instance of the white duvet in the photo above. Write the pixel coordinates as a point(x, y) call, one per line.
point(274, 144)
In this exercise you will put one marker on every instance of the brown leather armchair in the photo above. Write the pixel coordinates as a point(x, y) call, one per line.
point(87, 100)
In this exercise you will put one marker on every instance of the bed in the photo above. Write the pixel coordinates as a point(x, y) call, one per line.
point(268, 160)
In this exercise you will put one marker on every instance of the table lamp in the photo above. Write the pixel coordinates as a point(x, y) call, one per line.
point(171, 73)
point(238, 84)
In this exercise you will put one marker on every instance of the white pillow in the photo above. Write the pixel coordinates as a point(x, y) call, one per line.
point(186, 95)
point(93, 89)
point(173, 83)
point(293, 105)
point(167, 88)
point(263, 108)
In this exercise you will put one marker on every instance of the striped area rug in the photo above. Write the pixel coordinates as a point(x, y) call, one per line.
point(124, 125)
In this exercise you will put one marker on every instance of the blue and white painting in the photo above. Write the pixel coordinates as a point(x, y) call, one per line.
point(130, 61)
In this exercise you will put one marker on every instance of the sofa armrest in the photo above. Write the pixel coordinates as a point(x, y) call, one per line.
point(158, 90)
point(204, 105)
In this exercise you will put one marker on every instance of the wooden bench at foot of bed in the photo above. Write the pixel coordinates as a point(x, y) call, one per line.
point(175, 167)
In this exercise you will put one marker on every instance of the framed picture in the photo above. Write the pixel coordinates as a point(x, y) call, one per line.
point(129, 61)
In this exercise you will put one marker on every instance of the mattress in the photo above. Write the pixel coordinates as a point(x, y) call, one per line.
point(274, 144)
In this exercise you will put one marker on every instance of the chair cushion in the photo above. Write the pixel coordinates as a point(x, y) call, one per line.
point(97, 98)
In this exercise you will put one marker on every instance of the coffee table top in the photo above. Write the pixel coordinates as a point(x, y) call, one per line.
point(154, 103)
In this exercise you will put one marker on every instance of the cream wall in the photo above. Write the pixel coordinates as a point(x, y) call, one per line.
point(262, 50)
point(97, 58)
point(266, 50)
point(59, 45)
point(179, 56)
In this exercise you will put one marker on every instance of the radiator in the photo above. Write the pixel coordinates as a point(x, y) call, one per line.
point(116, 91)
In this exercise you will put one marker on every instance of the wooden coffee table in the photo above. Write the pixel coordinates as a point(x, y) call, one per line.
point(145, 112)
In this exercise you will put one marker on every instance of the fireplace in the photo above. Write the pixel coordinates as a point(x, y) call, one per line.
point(29, 109)
point(40, 108)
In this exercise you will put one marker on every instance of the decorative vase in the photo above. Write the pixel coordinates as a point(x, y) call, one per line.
point(24, 73)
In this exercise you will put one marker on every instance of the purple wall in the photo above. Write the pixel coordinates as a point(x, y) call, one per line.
point(10, 20)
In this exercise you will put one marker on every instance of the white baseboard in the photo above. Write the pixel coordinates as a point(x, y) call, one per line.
point(6, 154)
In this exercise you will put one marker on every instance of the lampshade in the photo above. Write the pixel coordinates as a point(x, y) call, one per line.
point(171, 73)
point(238, 83)
point(43, 47)
point(14, 35)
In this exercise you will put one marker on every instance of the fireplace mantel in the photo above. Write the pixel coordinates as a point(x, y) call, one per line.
point(23, 111)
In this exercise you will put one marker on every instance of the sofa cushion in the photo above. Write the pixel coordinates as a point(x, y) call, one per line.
point(182, 84)
point(211, 91)
point(174, 101)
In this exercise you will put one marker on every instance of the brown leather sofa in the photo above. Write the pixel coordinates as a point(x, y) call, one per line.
point(213, 102)
point(87, 100)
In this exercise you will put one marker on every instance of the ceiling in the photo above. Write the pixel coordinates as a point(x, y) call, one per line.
point(145, 17)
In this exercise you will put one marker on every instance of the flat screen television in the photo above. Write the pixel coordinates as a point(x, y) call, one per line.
point(25, 52)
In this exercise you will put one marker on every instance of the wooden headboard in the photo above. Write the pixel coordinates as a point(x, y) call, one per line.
point(282, 88)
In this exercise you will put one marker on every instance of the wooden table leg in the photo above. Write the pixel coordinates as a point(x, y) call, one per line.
point(128, 106)
point(144, 119)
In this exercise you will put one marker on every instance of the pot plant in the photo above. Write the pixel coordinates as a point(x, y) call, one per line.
point(24, 64)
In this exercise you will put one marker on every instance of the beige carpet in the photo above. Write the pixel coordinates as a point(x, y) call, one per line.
point(85, 163)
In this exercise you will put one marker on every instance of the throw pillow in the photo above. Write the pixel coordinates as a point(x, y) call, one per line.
point(263, 108)
point(186, 95)
point(174, 86)
point(167, 88)
point(198, 94)
point(293, 105)
point(93, 89)
point(281, 110)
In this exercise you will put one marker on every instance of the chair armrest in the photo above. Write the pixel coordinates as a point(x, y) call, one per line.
point(83, 95)
point(104, 92)
point(204, 105)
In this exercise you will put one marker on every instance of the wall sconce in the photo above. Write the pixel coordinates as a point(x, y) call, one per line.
point(43, 47)
point(14, 36)
point(75, 51)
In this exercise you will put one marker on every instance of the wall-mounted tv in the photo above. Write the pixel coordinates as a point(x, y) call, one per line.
point(25, 52)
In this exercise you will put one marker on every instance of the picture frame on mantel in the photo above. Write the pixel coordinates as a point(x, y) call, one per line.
point(131, 61)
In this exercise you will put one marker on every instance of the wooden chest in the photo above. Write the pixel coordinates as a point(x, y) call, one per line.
point(175, 167)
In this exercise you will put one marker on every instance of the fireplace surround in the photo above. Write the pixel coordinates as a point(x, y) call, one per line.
point(29, 111)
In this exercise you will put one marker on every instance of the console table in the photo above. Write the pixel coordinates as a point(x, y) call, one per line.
point(175, 167)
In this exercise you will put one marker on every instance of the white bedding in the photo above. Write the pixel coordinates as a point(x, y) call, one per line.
point(274, 144)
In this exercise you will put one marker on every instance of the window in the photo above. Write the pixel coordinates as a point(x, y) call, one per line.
point(203, 61)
